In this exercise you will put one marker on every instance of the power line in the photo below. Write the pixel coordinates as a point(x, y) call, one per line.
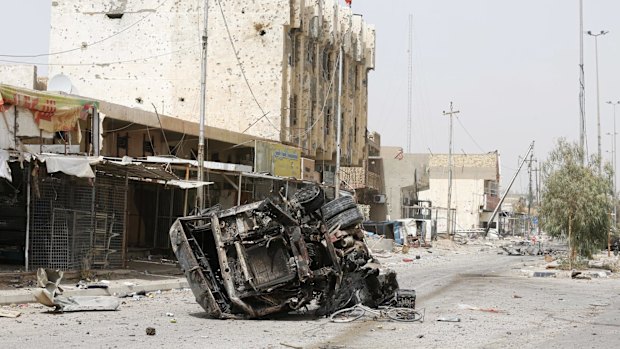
point(100, 63)
point(247, 82)
point(467, 132)
point(88, 44)
point(322, 113)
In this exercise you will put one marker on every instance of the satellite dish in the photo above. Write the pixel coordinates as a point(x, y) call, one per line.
point(60, 83)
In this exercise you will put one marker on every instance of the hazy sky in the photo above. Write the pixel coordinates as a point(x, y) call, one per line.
point(510, 67)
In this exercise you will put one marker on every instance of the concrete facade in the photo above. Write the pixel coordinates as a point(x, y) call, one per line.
point(271, 64)
point(474, 185)
point(19, 75)
point(400, 171)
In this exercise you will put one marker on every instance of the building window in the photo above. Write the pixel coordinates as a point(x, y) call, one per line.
point(327, 62)
point(328, 119)
point(312, 109)
point(295, 51)
point(310, 52)
point(293, 111)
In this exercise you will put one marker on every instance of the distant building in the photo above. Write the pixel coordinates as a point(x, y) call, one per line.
point(272, 65)
point(474, 188)
point(413, 181)
point(405, 175)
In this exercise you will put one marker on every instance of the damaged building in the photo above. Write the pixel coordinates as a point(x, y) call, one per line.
point(272, 67)
point(138, 64)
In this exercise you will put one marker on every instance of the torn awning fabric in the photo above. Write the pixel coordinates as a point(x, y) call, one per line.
point(52, 112)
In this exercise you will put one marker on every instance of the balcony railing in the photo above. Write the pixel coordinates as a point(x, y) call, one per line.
point(359, 177)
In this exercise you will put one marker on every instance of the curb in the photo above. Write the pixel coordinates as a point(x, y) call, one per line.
point(26, 296)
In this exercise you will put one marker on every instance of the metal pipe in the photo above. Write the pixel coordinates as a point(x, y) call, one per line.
point(338, 125)
point(239, 190)
point(26, 255)
point(96, 132)
point(450, 221)
point(598, 101)
point(203, 96)
point(126, 214)
point(244, 264)
point(582, 87)
point(225, 268)
point(501, 201)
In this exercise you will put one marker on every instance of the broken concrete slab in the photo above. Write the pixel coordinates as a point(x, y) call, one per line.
point(50, 294)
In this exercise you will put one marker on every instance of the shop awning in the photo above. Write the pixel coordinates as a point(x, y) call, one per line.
point(52, 111)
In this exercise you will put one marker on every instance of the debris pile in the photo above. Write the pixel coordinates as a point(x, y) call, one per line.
point(50, 294)
point(526, 247)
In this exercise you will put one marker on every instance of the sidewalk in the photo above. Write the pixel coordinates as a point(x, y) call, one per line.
point(115, 288)
point(140, 276)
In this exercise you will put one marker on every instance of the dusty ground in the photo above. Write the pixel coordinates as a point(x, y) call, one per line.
point(531, 312)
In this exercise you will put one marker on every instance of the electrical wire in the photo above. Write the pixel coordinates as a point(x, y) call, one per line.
point(472, 138)
point(101, 63)
point(325, 99)
point(247, 82)
point(120, 128)
point(92, 43)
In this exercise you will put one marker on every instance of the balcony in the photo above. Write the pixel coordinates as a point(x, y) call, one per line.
point(359, 178)
point(490, 202)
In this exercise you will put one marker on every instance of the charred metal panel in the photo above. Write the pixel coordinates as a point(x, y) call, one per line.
point(268, 257)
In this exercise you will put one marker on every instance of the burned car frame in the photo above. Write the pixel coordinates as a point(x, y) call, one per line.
point(279, 255)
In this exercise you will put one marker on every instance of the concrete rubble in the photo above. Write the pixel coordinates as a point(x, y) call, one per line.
point(50, 294)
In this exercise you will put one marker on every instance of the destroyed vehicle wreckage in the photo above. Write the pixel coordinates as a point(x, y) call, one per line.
point(278, 255)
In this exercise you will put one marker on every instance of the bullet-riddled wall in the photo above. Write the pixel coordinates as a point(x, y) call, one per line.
point(266, 60)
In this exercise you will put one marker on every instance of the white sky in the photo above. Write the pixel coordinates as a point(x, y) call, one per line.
point(510, 67)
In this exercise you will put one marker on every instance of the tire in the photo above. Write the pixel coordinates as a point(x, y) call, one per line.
point(347, 314)
point(404, 314)
point(310, 198)
point(336, 206)
point(346, 219)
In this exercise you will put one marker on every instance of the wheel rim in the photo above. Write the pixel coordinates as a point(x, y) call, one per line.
point(347, 315)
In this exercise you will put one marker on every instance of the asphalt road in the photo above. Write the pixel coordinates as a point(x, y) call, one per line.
point(525, 313)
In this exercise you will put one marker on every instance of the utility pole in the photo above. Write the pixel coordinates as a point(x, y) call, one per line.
point(530, 193)
point(501, 200)
point(582, 90)
point(613, 162)
point(339, 118)
point(203, 97)
point(450, 114)
point(598, 100)
point(410, 84)
point(614, 213)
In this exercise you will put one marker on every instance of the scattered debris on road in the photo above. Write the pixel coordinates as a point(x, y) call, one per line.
point(280, 255)
point(486, 310)
point(150, 331)
point(9, 313)
point(449, 319)
point(50, 294)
